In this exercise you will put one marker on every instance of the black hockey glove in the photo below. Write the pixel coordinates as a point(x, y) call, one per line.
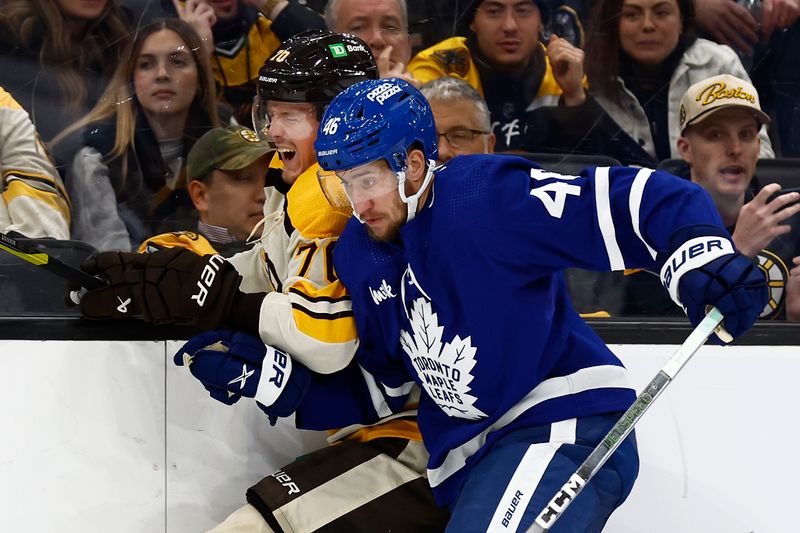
point(708, 271)
point(171, 286)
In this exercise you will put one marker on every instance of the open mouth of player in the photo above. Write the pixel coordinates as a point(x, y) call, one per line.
point(286, 154)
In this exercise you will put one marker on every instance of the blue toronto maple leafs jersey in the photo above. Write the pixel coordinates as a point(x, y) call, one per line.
point(470, 302)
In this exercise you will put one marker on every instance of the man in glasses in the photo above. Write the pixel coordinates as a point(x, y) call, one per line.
point(462, 118)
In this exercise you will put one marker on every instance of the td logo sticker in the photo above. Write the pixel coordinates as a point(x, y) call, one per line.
point(337, 50)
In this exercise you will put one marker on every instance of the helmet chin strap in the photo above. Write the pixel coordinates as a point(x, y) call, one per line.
point(412, 202)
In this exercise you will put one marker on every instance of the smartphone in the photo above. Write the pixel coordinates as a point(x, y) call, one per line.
point(781, 192)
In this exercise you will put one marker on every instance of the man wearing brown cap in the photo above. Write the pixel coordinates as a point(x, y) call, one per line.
point(720, 118)
point(226, 170)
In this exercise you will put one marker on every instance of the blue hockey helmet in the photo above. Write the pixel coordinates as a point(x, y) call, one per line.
point(378, 120)
point(372, 120)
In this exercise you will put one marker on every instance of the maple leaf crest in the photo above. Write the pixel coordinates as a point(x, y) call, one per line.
point(445, 369)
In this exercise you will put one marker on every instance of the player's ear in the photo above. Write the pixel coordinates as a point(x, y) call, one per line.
point(415, 173)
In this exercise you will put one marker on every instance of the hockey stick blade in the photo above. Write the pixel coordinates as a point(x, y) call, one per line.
point(554, 509)
point(73, 275)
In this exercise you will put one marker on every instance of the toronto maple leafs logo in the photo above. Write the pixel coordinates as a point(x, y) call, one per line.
point(445, 369)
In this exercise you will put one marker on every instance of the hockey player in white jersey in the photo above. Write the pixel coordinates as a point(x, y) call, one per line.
point(456, 286)
point(284, 293)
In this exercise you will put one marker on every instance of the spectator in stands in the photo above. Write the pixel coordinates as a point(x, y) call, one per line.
point(129, 180)
point(720, 143)
point(642, 56)
point(226, 170)
point(57, 56)
point(383, 25)
point(719, 122)
point(504, 60)
point(462, 118)
point(239, 36)
point(33, 201)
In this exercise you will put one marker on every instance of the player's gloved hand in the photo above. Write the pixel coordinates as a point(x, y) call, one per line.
point(705, 270)
point(179, 286)
point(170, 286)
point(234, 364)
point(118, 299)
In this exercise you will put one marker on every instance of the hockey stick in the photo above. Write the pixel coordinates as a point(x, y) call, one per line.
point(73, 275)
point(624, 425)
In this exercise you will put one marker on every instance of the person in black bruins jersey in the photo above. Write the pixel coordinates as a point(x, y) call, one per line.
point(283, 296)
point(241, 35)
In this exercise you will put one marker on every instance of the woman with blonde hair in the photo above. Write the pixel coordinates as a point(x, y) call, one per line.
point(57, 56)
point(128, 181)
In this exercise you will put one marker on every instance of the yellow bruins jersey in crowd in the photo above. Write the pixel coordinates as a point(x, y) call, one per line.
point(238, 64)
point(452, 57)
point(33, 200)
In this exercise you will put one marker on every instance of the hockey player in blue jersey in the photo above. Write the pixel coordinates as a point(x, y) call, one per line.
point(456, 285)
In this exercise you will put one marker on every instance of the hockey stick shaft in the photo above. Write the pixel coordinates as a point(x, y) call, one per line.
point(49, 263)
point(563, 498)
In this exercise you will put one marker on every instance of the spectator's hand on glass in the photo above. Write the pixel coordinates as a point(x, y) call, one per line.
point(728, 22)
point(200, 16)
point(778, 14)
point(566, 61)
point(760, 219)
point(394, 69)
point(793, 292)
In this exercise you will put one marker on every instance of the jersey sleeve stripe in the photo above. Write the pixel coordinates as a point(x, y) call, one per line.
point(378, 401)
point(606, 220)
point(328, 299)
point(400, 391)
point(585, 379)
point(25, 188)
point(635, 204)
point(321, 315)
point(329, 328)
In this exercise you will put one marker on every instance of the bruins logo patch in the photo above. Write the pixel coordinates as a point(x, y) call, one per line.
point(248, 135)
point(777, 274)
point(453, 61)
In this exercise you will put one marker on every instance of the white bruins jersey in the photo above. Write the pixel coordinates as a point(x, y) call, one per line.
point(33, 200)
point(307, 312)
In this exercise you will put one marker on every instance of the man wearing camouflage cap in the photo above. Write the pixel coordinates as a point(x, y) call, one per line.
point(226, 170)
